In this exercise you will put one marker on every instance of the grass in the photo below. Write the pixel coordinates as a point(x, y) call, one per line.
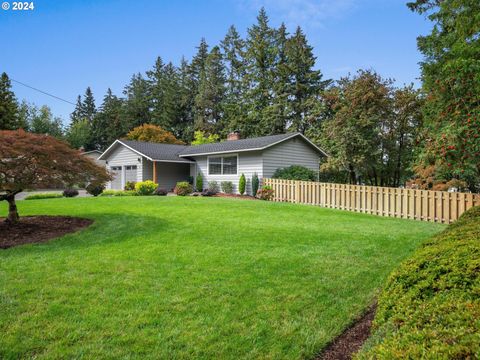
point(174, 277)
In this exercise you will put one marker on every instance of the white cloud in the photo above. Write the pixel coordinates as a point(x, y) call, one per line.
point(306, 13)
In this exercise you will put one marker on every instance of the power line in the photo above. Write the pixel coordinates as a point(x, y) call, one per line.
point(43, 92)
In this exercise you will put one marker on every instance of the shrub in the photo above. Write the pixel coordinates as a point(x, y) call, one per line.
point(95, 189)
point(430, 304)
point(190, 180)
point(70, 192)
point(145, 187)
point(255, 184)
point(265, 193)
point(130, 185)
point(295, 172)
point(160, 192)
point(207, 192)
point(242, 184)
point(183, 188)
point(213, 187)
point(199, 184)
point(227, 187)
point(39, 196)
point(119, 193)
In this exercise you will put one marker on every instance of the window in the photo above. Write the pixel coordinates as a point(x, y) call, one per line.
point(223, 165)
point(115, 168)
point(131, 167)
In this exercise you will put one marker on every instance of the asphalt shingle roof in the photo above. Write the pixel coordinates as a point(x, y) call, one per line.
point(235, 145)
point(155, 151)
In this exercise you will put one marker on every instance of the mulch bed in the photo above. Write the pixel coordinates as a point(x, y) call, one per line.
point(36, 229)
point(348, 343)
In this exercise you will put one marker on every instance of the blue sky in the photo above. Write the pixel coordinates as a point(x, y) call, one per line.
point(64, 46)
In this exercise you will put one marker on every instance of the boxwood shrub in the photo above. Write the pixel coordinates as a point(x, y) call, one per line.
point(430, 306)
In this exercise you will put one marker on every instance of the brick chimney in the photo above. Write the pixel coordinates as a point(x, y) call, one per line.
point(233, 136)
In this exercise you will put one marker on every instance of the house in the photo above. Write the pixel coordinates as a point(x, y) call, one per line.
point(168, 164)
point(94, 155)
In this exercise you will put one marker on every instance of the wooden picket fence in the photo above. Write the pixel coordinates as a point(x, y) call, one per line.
point(425, 205)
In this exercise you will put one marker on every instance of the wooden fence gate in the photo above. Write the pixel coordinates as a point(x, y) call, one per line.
point(426, 205)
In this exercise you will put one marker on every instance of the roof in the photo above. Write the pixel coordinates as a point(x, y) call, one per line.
point(152, 151)
point(91, 152)
point(258, 143)
point(180, 153)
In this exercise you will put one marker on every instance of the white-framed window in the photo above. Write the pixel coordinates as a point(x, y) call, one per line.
point(222, 165)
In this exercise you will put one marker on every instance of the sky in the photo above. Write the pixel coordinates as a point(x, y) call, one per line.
point(61, 47)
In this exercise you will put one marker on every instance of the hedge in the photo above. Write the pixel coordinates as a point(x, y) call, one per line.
point(430, 307)
point(39, 196)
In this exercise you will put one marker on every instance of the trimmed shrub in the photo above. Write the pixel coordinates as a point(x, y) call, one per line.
point(119, 193)
point(213, 187)
point(95, 189)
point(227, 187)
point(295, 172)
point(190, 180)
point(160, 192)
point(255, 184)
point(145, 187)
point(70, 193)
point(242, 184)
point(39, 196)
point(199, 182)
point(130, 185)
point(183, 188)
point(430, 305)
point(265, 193)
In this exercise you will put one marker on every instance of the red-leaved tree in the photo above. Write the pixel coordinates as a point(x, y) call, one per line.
point(32, 160)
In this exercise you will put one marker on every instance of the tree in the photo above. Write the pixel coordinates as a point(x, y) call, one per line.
point(200, 138)
point(42, 121)
point(371, 134)
point(211, 90)
point(84, 109)
point(183, 127)
point(153, 133)
point(242, 184)
point(79, 134)
point(138, 102)
point(77, 113)
point(109, 123)
point(55, 164)
point(451, 84)
point(9, 119)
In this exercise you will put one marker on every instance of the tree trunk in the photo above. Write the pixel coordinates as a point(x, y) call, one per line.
point(12, 217)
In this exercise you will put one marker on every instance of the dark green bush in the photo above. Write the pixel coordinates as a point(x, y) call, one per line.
point(213, 187)
point(430, 307)
point(199, 182)
point(70, 192)
point(255, 184)
point(242, 184)
point(183, 188)
point(295, 172)
point(130, 185)
point(227, 187)
point(95, 189)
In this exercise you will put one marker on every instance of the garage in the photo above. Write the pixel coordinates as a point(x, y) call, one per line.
point(117, 177)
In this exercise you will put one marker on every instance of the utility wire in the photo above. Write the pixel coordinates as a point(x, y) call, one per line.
point(43, 92)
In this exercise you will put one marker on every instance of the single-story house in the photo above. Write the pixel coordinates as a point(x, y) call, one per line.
point(94, 155)
point(168, 164)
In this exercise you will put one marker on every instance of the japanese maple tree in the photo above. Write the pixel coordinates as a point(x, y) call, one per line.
point(33, 160)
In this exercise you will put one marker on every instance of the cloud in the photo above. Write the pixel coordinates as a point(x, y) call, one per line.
point(306, 13)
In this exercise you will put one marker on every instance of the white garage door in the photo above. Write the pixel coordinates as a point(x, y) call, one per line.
point(130, 173)
point(117, 177)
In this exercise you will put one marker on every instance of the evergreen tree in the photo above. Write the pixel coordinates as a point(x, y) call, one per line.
point(9, 119)
point(88, 105)
point(77, 114)
point(211, 90)
point(137, 110)
point(42, 121)
point(233, 50)
point(108, 124)
point(260, 57)
point(156, 83)
point(79, 134)
point(183, 127)
point(306, 83)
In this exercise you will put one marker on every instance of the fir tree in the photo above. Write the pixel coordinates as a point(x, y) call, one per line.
point(137, 102)
point(77, 114)
point(9, 119)
point(88, 105)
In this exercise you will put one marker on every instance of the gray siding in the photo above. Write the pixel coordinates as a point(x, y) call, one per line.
point(291, 152)
point(122, 156)
point(147, 169)
point(248, 163)
point(168, 174)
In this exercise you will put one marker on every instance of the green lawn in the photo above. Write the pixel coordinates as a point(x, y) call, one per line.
point(171, 277)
